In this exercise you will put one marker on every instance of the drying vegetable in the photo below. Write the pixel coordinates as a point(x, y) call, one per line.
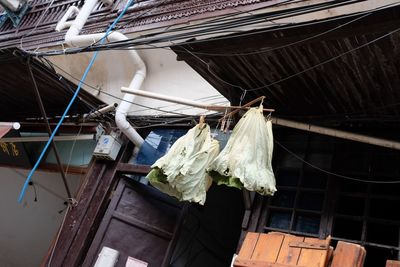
point(246, 159)
point(182, 171)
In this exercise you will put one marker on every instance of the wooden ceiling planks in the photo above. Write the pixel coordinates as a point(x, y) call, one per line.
point(143, 15)
point(361, 85)
point(17, 91)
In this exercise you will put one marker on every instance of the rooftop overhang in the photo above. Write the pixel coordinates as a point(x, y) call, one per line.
point(17, 101)
point(341, 72)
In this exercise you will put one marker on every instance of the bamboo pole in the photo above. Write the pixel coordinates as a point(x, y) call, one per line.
point(337, 133)
point(282, 122)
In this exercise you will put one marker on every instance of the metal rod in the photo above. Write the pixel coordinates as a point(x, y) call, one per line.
point(247, 105)
point(53, 144)
point(100, 112)
point(182, 101)
point(14, 125)
point(46, 138)
point(283, 122)
point(337, 133)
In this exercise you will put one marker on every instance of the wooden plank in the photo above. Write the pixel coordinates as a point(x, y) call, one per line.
point(83, 220)
point(128, 168)
point(268, 247)
point(91, 254)
point(391, 263)
point(348, 254)
point(254, 263)
point(248, 245)
point(313, 257)
point(308, 245)
point(329, 256)
point(361, 259)
point(76, 215)
point(289, 255)
point(143, 225)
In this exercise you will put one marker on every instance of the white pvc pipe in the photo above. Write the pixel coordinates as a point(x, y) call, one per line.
point(62, 24)
point(282, 122)
point(73, 38)
point(14, 125)
point(172, 99)
point(80, 19)
point(100, 112)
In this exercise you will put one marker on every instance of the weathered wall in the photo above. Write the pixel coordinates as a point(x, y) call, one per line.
point(27, 229)
point(165, 75)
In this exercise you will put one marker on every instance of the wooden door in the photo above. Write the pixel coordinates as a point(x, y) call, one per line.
point(140, 222)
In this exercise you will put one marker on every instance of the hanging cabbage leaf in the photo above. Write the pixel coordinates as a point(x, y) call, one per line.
point(182, 171)
point(246, 159)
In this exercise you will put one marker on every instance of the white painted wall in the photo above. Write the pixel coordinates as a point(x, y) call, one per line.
point(27, 229)
point(165, 75)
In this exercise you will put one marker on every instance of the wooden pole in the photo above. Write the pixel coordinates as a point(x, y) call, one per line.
point(337, 133)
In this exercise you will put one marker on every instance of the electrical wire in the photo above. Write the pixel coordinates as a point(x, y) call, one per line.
point(134, 41)
point(145, 108)
point(68, 108)
point(58, 236)
point(300, 72)
point(72, 149)
point(116, 97)
point(121, 26)
point(20, 174)
point(201, 99)
point(170, 38)
point(332, 173)
point(261, 51)
point(36, 25)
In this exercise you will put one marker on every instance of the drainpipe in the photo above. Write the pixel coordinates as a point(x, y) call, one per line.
point(72, 38)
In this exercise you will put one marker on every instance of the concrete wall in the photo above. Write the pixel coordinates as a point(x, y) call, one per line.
point(27, 229)
point(165, 75)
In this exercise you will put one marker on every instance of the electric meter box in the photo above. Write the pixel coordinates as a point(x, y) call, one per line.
point(107, 147)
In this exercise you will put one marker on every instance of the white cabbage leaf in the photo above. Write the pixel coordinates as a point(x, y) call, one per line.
point(246, 159)
point(182, 171)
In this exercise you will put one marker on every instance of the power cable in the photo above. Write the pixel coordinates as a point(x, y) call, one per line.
point(131, 42)
point(332, 173)
point(225, 26)
point(261, 51)
point(300, 72)
point(169, 38)
point(114, 96)
point(180, 114)
point(201, 99)
point(121, 26)
point(55, 194)
point(37, 24)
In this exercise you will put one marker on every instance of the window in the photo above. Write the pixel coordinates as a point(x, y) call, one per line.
point(311, 203)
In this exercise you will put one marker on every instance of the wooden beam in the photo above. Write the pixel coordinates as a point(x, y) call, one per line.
point(128, 168)
point(337, 133)
point(254, 263)
point(82, 221)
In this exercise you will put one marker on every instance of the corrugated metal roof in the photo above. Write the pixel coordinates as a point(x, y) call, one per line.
point(144, 14)
point(359, 86)
point(17, 101)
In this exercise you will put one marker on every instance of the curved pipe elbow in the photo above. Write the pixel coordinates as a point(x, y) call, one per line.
point(125, 127)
